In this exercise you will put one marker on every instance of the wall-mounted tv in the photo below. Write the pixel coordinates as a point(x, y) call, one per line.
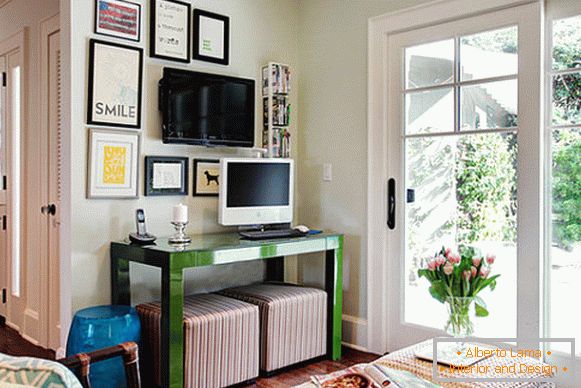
point(206, 109)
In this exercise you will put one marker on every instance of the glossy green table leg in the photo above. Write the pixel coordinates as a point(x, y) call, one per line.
point(334, 289)
point(172, 331)
point(120, 281)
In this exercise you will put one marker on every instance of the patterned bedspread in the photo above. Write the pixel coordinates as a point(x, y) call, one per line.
point(405, 359)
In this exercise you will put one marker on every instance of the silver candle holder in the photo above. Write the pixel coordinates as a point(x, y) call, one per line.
point(180, 236)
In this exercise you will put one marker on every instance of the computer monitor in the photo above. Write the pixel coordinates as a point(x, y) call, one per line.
point(255, 191)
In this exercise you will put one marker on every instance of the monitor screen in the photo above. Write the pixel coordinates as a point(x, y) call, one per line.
point(258, 184)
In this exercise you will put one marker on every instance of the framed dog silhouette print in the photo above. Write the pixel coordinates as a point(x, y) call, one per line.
point(206, 177)
point(166, 175)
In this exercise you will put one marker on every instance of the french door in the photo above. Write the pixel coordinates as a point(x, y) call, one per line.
point(563, 176)
point(464, 152)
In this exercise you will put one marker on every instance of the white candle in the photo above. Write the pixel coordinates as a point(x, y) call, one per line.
point(180, 213)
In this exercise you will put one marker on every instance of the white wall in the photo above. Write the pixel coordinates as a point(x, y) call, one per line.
point(261, 31)
point(14, 16)
point(333, 119)
point(325, 41)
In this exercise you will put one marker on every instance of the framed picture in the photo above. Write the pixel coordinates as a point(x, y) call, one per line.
point(115, 83)
point(206, 177)
point(170, 30)
point(166, 175)
point(211, 37)
point(113, 164)
point(118, 18)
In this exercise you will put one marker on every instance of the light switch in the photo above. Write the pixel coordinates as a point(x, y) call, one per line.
point(327, 172)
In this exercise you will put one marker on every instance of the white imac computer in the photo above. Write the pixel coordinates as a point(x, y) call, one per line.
point(255, 191)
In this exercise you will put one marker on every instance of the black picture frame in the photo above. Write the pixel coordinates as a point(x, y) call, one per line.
point(196, 37)
point(117, 35)
point(197, 192)
point(151, 162)
point(91, 97)
point(153, 31)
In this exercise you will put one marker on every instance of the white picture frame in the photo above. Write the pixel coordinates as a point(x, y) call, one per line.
point(113, 164)
point(170, 30)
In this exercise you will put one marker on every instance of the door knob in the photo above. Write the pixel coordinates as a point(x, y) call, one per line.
point(48, 209)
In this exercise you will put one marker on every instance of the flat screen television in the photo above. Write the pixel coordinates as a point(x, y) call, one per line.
point(206, 109)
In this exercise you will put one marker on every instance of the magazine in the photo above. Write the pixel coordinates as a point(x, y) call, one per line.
point(370, 376)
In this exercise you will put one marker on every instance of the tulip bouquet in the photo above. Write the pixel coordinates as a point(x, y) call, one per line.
point(456, 279)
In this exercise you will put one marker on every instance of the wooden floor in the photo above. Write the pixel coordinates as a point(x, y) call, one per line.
point(300, 375)
point(13, 344)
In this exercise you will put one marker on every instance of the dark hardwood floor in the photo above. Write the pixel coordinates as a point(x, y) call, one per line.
point(302, 374)
point(13, 344)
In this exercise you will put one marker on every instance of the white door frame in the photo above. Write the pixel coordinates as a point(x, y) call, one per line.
point(378, 289)
point(50, 266)
point(65, 245)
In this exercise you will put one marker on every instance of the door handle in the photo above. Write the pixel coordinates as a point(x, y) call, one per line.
point(48, 209)
point(391, 203)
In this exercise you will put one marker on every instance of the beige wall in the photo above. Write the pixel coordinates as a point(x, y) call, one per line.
point(333, 119)
point(261, 31)
point(14, 16)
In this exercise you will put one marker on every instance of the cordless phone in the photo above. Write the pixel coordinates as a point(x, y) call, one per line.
point(141, 237)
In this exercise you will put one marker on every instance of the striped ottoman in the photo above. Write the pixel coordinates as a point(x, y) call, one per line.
point(293, 322)
point(220, 340)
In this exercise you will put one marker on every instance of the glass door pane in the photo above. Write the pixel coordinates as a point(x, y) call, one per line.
point(462, 196)
point(461, 187)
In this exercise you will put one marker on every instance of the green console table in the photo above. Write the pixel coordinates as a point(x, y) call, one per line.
point(220, 249)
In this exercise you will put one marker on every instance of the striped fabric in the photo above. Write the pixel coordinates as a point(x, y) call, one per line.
point(220, 340)
point(293, 322)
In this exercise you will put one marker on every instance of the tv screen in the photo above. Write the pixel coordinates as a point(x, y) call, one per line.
point(258, 184)
point(206, 109)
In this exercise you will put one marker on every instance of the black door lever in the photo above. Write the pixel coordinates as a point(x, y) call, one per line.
point(391, 203)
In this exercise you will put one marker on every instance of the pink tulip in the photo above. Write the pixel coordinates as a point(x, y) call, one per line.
point(447, 252)
point(448, 268)
point(454, 258)
point(466, 275)
point(484, 272)
point(476, 261)
point(474, 271)
point(432, 265)
point(490, 258)
point(440, 260)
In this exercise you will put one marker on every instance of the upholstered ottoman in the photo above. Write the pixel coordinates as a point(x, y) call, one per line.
point(293, 322)
point(221, 340)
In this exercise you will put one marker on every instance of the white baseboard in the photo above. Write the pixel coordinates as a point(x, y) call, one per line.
point(354, 347)
point(60, 353)
point(31, 331)
point(355, 332)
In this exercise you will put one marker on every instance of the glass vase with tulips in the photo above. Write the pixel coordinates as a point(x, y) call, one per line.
point(456, 279)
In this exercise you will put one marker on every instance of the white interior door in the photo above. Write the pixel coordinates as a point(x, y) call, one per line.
point(459, 97)
point(15, 195)
point(3, 251)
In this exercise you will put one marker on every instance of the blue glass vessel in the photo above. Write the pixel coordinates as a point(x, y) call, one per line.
point(99, 327)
